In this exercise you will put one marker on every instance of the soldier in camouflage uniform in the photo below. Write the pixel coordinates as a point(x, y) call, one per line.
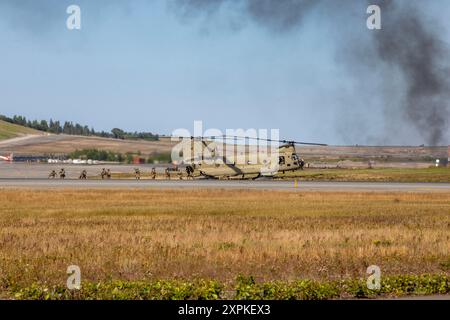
point(108, 174)
point(62, 174)
point(167, 173)
point(137, 173)
point(153, 174)
point(189, 171)
point(302, 163)
point(83, 175)
point(52, 174)
point(103, 173)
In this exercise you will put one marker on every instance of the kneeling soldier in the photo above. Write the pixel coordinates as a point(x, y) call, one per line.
point(83, 175)
point(103, 173)
point(52, 174)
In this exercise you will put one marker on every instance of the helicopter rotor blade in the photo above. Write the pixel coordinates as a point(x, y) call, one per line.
point(225, 137)
point(269, 140)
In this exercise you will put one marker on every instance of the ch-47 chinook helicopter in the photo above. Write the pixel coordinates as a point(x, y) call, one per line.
point(204, 157)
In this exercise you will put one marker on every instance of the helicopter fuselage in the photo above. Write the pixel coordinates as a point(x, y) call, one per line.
point(286, 159)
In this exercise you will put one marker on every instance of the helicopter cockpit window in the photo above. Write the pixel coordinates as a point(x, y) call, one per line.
point(281, 160)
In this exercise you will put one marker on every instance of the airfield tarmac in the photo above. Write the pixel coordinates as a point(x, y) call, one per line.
point(23, 170)
point(225, 184)
point(34, 175)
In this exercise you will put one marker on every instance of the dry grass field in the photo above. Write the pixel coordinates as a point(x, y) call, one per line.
point(63, 144)
point(441, 174)
point(219, 234)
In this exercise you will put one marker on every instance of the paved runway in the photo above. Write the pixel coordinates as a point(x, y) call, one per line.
point(23, 170)
point(227, 184)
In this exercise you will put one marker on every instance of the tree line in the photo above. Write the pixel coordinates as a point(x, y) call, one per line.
point(103, 155)
point(68, 127)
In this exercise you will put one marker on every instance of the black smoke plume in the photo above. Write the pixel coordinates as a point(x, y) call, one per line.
point(409, 43)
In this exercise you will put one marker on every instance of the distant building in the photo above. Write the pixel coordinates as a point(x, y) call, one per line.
point(138, 160)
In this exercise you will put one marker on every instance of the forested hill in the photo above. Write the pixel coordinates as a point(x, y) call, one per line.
point(71, 128)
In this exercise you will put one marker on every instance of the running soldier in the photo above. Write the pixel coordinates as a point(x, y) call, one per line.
point(153, 174)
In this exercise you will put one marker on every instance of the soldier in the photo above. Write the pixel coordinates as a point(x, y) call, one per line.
point(83, 175)
point(62, 173)
point(103, 173)
point(108, 174)
point(153, 174)
point(302, 164)
point(180, 174)
point(52, 174)
point(137, 173)
point(189, 171)
point(167, 173)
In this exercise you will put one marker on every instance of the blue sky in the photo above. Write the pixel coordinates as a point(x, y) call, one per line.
point(139, 65)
